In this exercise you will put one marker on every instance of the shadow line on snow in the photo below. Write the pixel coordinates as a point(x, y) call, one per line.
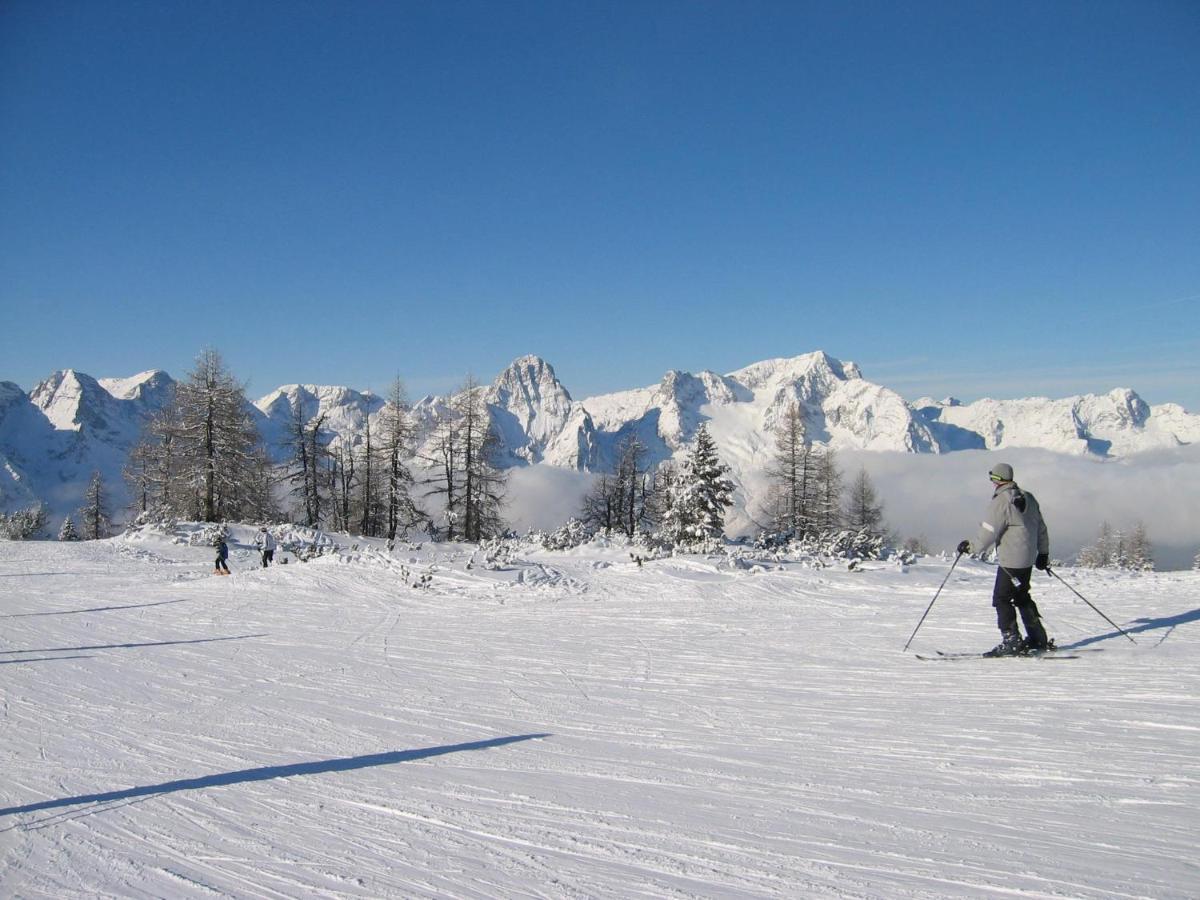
point(1170, 623)
point(73, 612)
point(14, 662)
point(266, 773)
point(239, 637)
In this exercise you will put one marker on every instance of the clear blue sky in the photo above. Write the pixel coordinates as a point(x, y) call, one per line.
point(973, 198)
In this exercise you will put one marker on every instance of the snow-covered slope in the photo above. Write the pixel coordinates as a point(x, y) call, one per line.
point(574, 725)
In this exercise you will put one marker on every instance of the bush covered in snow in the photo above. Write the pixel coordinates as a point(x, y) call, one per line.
point(24, 524)
point(839, 543)
point(573, 533)
point(208, 535)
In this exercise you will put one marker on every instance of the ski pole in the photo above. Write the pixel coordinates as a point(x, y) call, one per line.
point(1091, 604)
point(933, 601)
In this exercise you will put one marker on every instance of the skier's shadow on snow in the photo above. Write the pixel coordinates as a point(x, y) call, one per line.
point(266, 773)
point(216, 640)
point(13, 662)
point(94, 609)
point(1170, 623)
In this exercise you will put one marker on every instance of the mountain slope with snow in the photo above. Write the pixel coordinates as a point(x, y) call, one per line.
point(71, 424)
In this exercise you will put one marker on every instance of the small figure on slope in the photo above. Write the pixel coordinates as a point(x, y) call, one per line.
point(1015, 526)
point(220, 566)
point(265, 542)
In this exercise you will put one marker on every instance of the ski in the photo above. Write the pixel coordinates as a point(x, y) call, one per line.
point(964, 657)
point(958, 657)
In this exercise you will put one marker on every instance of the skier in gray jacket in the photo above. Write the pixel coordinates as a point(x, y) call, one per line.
point(1015, 526)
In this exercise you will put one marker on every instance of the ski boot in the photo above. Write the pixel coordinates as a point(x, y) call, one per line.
point(1011, 645)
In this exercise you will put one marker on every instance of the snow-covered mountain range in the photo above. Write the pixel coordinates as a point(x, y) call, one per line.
point(52, 438)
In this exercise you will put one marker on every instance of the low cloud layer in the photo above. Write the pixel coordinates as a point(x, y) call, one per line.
point(943, 497)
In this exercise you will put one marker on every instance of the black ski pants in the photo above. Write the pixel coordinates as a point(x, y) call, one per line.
point(1010, 595)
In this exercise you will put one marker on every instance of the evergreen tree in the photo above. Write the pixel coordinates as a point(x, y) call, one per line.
point(68, 532)
point(466, 474)
point(202, 457)
point(794, 476)
point(343, 485)
point(827, 509)
point(308, 470)
point(1101, 554)
point(23, 524)
point(864, 511)
point(1119, 555)
point(94, 512)
point(699, 495)
point(370, 499)
point(1196, 563)
point(482, 480)
point(394, 447)
point(1140, 552)
point(219, 439)
point(601, 509)
point(153, 472)
point(622, 500)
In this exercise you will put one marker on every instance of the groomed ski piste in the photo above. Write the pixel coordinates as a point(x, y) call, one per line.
point(572, 724)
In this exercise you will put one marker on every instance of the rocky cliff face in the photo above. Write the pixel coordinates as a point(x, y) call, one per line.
point(529, 407)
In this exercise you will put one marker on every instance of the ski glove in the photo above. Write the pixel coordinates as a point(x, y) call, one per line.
point(1042, 561)
point(964, 547)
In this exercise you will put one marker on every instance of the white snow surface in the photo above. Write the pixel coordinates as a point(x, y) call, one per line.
point(575, 725)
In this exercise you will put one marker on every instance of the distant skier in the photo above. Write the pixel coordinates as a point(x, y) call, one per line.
point(1014, 524)
point(265, 542)
point(222, 556)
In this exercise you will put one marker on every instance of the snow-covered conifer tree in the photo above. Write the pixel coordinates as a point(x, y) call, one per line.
point(216, 444)
point(600, 509)
point(482, 480)
point(23, 524)
point(309, 470)
point(94, 512)
point(864, 511)
point(1100, 554)
point(699, 495)
point(623, 499)
point(68, 532)
point(794, 476)
point(1119, 555)
point(468, 477)
point(153, 472)
point(395, 446)
point(827, 511)
point(1140, 552)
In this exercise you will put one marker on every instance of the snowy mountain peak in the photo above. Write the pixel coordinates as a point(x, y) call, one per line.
point(71, 400)
point(818, 368)
point(345, 412)
point(150, 386)
point(529, 407)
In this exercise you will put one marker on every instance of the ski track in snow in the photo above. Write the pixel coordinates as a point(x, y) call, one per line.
point(576, 726)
